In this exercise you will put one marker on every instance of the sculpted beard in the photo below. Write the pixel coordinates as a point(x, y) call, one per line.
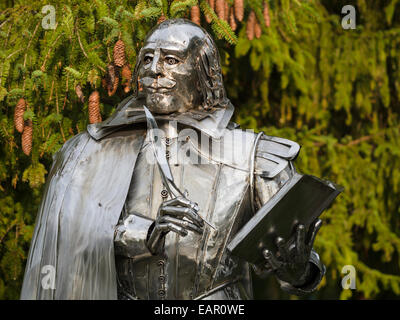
point(158, 93)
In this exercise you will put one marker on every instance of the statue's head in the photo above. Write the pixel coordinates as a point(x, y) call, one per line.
point(179, 69)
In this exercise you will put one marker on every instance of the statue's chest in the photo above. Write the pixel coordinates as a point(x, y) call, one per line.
point(221, 193)
point(217, 187)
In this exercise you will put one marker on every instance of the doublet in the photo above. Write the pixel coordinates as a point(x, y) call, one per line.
point(230, 176)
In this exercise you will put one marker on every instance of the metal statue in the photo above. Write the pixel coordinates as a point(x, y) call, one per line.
point(142, 205)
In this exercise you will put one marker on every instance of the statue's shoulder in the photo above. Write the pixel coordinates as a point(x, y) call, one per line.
point(280, 147)
point(72, 143)
point(270, 155)
point(273, 154)
point(265, 144)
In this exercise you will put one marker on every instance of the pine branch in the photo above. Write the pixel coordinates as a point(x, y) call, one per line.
point(220, 27)
point(43, 67)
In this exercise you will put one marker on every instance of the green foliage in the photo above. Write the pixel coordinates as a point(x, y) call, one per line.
point(338, 92)
point(335, 91)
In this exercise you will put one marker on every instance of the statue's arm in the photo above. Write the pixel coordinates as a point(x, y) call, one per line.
point(130, 237)
point(273, 167)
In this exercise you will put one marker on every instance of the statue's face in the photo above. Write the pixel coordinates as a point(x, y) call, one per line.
point(167, 73)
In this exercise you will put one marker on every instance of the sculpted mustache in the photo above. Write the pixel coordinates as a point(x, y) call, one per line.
point(157, 82)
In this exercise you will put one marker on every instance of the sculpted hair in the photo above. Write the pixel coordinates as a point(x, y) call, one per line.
point(208, 69)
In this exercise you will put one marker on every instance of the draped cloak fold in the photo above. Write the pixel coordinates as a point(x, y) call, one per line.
point(73, 237)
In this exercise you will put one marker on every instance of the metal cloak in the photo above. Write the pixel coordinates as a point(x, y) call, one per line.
point(83, 198)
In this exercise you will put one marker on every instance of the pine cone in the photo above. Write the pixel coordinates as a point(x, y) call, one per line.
point(162, 18)
point(266, 15)
point(110, 76)
point(112, 79)
point(27, 136)
point(226, 11)
point(104, 83)
point(220, 8)
point(211, 4)
point(19, 115)
point(239, 9)
point(114, 87)
point(257, 30)
point(94, 107)
point(232, 21)
point(195, 14)
point(79, 93)
point(119, 53)
point(251, 22)
point(126, 74)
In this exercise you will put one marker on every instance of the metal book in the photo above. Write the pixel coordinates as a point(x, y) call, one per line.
point(300, 201)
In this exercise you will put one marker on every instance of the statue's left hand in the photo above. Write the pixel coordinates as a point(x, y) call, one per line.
point(291, 262)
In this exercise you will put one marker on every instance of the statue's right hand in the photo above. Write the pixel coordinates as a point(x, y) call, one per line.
point(179, 215)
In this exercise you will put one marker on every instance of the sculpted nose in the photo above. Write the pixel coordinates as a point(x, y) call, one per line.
point(156, 65)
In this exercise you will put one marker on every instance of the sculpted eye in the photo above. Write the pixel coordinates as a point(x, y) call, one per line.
point(147, 59)
point(172, 61)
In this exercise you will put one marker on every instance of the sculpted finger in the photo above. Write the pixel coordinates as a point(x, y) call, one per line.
point(154, 242)
point(182, 212)
point(169, 226)
point(300, 239)
point(271, 259)
point(182, 223)
point(315, 228)
point(184, 202)
point(262, 270)
point(280, 243)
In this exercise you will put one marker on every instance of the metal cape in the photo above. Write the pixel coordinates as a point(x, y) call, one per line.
point(83, 198)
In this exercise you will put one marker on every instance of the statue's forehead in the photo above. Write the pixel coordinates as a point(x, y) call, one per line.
point(169, 45)
point(173, 37)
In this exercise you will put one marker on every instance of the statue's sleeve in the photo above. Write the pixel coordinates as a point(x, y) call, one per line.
point(273, 167)
point(130, 237)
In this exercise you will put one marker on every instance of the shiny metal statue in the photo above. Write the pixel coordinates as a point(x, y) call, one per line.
point(131, 214)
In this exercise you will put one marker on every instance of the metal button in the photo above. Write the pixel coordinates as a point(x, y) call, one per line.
point(168, 141)
point(161, 278)
point(164, 193)
point(160, 262)
point(161, 292)
point(167, 154)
